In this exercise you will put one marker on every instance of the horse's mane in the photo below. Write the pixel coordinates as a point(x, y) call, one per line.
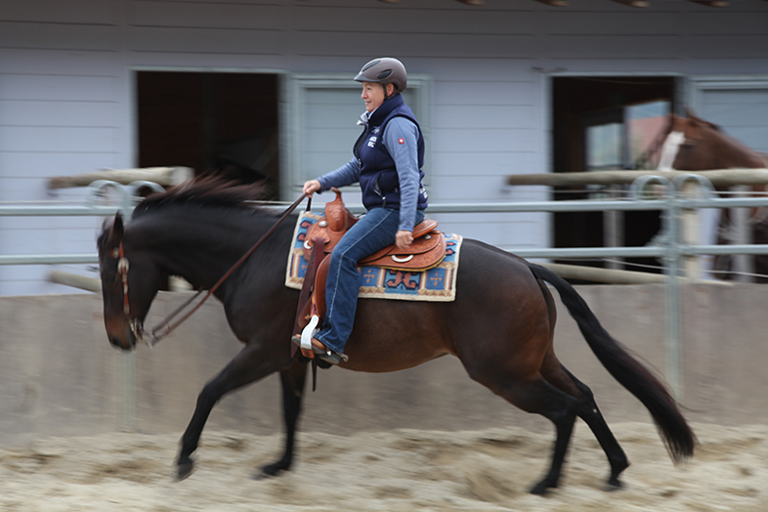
point(203, 191)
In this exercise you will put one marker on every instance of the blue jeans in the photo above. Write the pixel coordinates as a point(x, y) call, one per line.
point(374, 231)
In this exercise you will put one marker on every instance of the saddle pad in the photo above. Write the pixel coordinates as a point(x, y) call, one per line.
point(435, 285)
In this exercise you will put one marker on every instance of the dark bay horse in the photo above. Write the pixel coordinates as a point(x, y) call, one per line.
point(694, 144)
point(501, 325)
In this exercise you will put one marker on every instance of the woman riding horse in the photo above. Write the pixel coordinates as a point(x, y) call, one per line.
point(388, 158)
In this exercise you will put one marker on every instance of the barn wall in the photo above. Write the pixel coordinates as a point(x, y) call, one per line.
point(59, 376)
point(67, 97)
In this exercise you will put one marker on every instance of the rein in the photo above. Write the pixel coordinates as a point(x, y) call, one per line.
point(164, 327)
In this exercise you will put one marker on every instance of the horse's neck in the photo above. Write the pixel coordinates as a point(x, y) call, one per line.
point(730, 153)
point(199, 249)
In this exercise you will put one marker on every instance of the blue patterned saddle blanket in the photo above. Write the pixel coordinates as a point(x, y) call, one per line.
point(437, 284)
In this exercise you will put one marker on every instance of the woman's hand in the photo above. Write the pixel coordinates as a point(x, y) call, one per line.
point(403, 239)
point(311, 186)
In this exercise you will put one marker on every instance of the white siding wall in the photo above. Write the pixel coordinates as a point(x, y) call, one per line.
point(740, 110)
point(60, 83)
point(66, 98)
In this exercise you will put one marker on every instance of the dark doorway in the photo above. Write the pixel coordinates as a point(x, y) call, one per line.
point(604, 122)
point(224, 123)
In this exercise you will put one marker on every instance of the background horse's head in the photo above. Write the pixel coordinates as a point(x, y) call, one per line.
point(129, 282)
point(694, 144)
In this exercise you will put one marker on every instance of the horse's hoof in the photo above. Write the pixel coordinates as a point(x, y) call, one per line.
point(613, 484)
point(271, 470)
point(262, 475)
point(540, 489)
point(184, 468)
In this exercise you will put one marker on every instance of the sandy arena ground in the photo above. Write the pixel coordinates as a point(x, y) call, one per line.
point(403, 470)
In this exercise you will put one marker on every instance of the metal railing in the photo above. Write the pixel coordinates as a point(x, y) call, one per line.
point(96, 192)
point(671, 251)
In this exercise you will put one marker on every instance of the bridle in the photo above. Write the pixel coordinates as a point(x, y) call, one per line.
point(122, 267)
point(164, 327)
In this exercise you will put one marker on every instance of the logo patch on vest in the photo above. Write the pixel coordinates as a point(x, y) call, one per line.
point(372, 141)
point(401, 140)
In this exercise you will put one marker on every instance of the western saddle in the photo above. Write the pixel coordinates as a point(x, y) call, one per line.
point(425, 252)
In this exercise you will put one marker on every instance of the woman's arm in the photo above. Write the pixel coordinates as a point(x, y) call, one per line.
point(400, 139)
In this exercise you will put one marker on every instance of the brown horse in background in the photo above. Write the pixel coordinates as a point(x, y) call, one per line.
point(501, 325)
point(693, 144)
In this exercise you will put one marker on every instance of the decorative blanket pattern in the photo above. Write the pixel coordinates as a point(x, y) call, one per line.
point(436, 285)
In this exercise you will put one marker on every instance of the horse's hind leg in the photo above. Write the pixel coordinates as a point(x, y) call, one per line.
point(559, 376)
point(250, 365)
point(590, 413)
point(560, 409)
point(292, 382)
point(536, 395)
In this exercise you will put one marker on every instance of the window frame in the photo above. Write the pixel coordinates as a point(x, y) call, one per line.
point(294, 91)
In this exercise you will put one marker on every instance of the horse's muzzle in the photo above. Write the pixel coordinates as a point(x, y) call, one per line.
point(125, 340)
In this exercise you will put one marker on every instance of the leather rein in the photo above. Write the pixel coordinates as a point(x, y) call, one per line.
point(165, 327)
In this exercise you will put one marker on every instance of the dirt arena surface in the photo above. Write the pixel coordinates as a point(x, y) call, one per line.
point(402, 470)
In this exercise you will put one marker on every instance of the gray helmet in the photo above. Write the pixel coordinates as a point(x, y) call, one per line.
point(384, 70)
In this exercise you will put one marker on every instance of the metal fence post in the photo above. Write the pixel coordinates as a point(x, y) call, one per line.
point(97, 190)
point(674, 349)
point(669, 237)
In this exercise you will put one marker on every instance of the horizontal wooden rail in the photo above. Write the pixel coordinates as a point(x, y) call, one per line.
point(91, 284)
point(165, 176)
point(719, 177)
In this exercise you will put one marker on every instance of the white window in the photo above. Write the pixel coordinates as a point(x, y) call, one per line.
point(319, 119)
point(738, 104)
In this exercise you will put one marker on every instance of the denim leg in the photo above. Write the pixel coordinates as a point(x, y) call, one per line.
point(374, 231)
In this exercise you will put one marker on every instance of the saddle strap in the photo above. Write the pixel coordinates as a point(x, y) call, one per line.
point(305, 296)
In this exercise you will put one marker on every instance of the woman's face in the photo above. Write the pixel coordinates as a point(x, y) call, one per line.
point(373, 95)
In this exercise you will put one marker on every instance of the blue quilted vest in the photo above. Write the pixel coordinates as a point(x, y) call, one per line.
point(378, 175)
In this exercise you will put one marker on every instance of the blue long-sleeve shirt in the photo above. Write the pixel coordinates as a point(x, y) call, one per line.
point(400, 138)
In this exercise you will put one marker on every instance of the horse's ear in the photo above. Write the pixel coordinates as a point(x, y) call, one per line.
point(115, 235)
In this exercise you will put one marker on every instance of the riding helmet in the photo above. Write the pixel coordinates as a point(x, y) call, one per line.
point(384, 70)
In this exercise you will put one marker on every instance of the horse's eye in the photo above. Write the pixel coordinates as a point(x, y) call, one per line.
point(110, 276)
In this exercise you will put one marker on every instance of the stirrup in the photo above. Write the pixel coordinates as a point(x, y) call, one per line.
point(309, 332)
point(328, 355)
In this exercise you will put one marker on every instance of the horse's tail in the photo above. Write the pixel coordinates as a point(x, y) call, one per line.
point(638, 380)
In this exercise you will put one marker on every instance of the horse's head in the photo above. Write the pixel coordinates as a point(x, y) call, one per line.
point(129, 282)
point(694, 144)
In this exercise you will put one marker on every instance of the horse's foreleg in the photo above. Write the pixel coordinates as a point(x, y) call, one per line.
point(250, 365)
point(292, 381)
